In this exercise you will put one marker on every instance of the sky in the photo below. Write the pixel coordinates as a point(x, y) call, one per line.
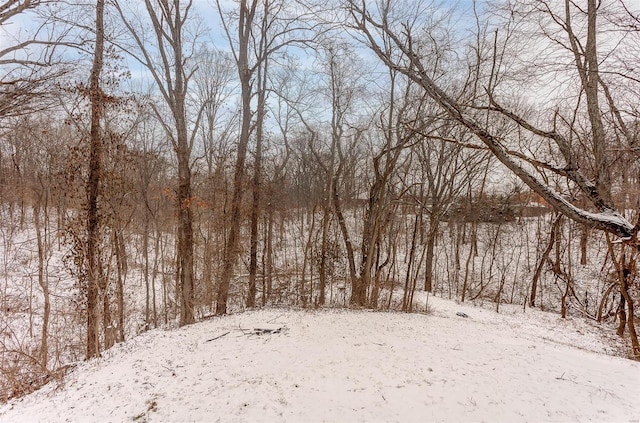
point(23, 26)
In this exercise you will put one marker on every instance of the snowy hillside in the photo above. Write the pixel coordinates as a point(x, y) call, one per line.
point(458, 363)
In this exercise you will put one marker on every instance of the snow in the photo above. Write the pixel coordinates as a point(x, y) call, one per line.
point(610, 216)
point(352, 366)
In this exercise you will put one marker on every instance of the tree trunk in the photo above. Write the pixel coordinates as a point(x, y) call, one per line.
point(93, 184)
point(407, 282)
point(465, 283)
point(184, 197)
point(372, 230)
point(543, 259)
point(359, 297)
point(417, 267)
point(307, 248)
point(207, 270)
point(185, 228)
point(257, 171)
point(604, 301)
point(107, 320)
point(563, 300)
point(145, 258)
point(231, 250)
point(268, 255)
point(253, 243)
point(431, 242)
point(584, 239)
point(625, 269)
point(635, 345)
point(154, 275)
point(255, 206)
point(322, 270)
point(169, 68)
point(44, 284)
point(121, 275)
point(590, 75)
point(369, 236)
point(622, 314)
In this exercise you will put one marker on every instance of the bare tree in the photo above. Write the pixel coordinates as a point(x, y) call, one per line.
point(247, 14)
point(264, 28)
point(31, 65)
point(96, 97)
point(343, 92)
point(167, 57)
point(577, 159)
point(373, 24)
point(396, 137)
point(214, 84)
point(448, 169)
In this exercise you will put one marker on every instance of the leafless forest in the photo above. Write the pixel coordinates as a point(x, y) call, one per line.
point(166, 161)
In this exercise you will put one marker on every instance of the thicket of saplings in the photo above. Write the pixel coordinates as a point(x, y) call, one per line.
point(488, 249)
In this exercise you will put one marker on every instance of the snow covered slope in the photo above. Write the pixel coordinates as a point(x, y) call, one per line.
point(351, 366)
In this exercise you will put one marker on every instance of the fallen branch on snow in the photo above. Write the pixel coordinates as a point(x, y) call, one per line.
point(265, 330)
point(218, 337)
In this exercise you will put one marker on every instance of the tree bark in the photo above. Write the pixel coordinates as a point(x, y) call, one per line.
point(185, 230)
point(93, 185)
point(43, 282)
point(268, 276)
point(584, 239)
point(121, 275)
point(431, 242)
point(257, 181)
point(359, 297)
point(543, 259)
point(625, 269)
point(589, 74)
point(322, 269)
point(406, 304)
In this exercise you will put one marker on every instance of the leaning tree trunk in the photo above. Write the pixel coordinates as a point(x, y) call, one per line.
point(544, 258)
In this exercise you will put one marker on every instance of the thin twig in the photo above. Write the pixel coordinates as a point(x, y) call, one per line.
point(218, 337)
point(275, 318)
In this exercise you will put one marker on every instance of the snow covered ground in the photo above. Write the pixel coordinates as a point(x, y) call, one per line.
point(352, 366)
